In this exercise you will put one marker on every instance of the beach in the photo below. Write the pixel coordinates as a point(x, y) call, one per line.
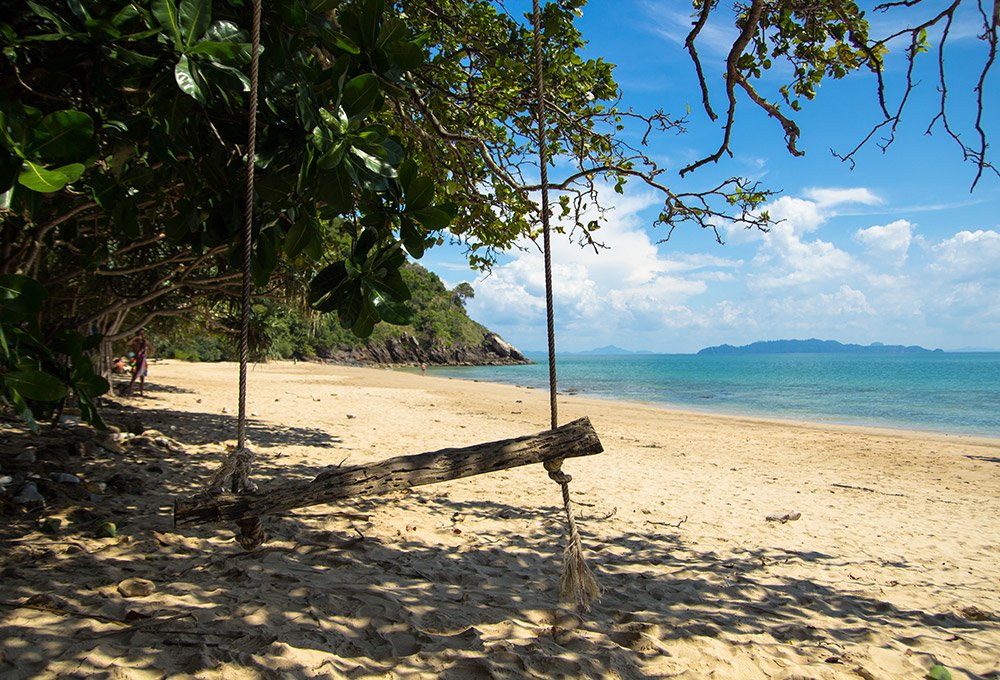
point(891, 567)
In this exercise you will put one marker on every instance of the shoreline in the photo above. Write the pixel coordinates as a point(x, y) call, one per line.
point(834, 421)
point(666, 407)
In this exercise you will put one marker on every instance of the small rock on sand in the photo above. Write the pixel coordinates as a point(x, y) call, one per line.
point(136, 587)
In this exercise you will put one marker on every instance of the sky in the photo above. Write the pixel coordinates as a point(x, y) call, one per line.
point(896, 250)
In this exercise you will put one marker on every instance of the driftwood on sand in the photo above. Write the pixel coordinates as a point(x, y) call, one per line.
point(574, 439)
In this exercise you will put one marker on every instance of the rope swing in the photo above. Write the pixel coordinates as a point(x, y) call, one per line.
point(233, 497)
point(577, 582)
point(235, 470)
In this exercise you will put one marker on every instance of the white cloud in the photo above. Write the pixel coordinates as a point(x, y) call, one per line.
point(829, 196)
point(891, 240)
point(633, 283)
point(968, 254)
point(855, 283)
point(716, 38)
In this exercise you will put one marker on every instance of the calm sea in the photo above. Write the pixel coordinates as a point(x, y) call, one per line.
point(942, 392)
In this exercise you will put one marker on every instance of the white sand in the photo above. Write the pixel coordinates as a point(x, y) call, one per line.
point(893, 567)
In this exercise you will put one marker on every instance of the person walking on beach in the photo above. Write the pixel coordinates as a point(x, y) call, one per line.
point(140, 366)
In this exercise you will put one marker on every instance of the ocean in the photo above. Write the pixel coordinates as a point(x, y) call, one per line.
point(956, 393)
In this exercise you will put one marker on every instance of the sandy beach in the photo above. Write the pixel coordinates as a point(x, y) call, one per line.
point(893, 566)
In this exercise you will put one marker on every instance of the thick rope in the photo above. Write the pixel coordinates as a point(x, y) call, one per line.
point(577, 582)
point(235, 470)
point(241, 428)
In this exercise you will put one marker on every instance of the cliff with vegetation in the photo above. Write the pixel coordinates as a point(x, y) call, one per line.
point(440, 333)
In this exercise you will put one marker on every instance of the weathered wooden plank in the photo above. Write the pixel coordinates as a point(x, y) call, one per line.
point(574, 439)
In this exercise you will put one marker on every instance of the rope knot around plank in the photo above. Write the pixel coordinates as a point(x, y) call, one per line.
point(234, 472)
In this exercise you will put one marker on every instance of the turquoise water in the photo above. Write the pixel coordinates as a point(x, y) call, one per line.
point(942, 392)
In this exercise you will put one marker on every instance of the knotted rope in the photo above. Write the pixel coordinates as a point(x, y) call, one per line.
point(577, 581)
point(235, 470)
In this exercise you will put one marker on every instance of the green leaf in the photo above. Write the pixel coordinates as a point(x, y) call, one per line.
point(273, 187)
point(89, 412)
point(405, 54)
point(62, 134)
point(359, 95)
point(338, 39)
point(350, 303)
point(224, 40)
point(24, 410)
point(392, 31)
point(395, 313)
point(336, 190)
point(21, 294)
point(324, 284)
point(333, 156)
point(90, 384)
point(432, 217)
point(44, 12)
point(195, 18)
point(367, 317)
point(299, 236)
point(189, 80)
point(419, 193)
point(373, 163)
point(412, 238)
point(407, 173)
point(218, 50)
point(364, 244)
point(265, 257)
point(371, 15)
point(36, 385)
point(392, 285)
point(166, 13)
point(37, 178)
point(939, 672)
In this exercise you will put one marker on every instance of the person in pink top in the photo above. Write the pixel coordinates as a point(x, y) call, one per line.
point(140, 365)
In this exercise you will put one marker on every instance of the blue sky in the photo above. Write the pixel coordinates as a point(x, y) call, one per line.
point(896, 250)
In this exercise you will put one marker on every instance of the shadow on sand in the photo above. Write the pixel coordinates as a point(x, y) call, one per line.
point(327, 598)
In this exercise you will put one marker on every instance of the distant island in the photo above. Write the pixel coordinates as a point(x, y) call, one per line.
point(611, 349)
point(814, 346)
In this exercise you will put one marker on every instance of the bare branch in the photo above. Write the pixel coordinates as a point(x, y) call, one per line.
point(706, 8)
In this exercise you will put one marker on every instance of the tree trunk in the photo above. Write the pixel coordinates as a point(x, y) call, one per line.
point(574, 439)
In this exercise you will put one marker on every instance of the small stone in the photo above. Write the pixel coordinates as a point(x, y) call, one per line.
point(25, 457)
point(783, 517)
point(106, 530)
point(350, 416)
point(28, 495)
point(136, 587)
point(69, 421)
point(225, 410)
point(64, 478)
point(5, 480)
